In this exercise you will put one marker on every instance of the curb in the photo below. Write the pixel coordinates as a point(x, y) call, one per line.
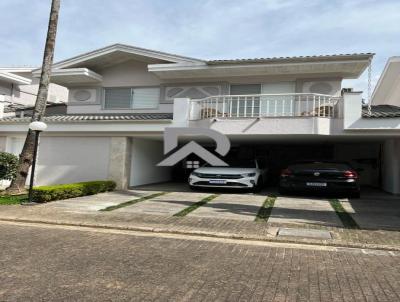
point(221, 235)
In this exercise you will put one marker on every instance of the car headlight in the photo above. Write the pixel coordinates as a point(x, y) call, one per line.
point(249, 174)
point(196, 174)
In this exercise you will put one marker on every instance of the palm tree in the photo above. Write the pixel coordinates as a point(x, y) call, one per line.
point(26, 156)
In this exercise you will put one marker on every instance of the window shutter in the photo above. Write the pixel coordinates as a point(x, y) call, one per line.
point(146, 98)
point(117, 98)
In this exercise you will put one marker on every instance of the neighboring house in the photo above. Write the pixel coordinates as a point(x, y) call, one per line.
point(18, 89)
point(121, 98)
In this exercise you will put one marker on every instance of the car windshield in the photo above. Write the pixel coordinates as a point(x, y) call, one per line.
point(239, 164)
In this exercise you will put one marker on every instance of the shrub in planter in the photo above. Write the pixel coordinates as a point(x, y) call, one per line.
point(57, 192)
point(8, 166)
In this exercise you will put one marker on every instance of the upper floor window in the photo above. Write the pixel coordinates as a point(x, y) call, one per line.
point(131, 98)
point(243, 89)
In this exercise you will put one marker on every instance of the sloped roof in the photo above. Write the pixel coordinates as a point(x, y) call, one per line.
point(294, 59)
point(381, 111)
point(124, 49)
point(94, 117)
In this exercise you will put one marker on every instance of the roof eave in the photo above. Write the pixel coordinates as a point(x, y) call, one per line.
point(14, 79)
point(163, 70)
point(124, 48)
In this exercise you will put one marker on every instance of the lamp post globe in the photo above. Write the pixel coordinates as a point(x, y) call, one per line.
point(37, 126)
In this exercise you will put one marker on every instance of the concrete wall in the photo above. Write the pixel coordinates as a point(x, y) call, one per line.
point(68, 159)
point(391, 166)
point(364, 156)
point(131, 73)
point(145, 155)
point(73, 159)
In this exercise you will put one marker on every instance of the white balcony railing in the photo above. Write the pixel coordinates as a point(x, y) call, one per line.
point(267, 105)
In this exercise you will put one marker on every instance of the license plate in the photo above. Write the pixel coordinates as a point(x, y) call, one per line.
point(316, 184)
point(217, 181)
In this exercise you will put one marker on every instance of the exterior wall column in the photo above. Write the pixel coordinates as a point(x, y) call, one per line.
point(181, 112)
point(391, 166)
point(119, 163)
point(352, 108)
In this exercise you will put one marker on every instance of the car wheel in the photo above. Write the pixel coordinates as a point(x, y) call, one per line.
point(257, 188)
point(193, 188)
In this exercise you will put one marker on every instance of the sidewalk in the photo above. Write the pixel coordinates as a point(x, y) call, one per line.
point(214, 227)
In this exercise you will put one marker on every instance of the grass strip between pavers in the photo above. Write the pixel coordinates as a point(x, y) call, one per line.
point(347, 220)
point(196, 205)
point(13, 199)
point(265, 211)
point(131, 202)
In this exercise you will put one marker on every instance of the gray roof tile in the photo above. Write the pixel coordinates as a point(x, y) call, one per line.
point(94, 117)
point(293, 59)
point(381, 111)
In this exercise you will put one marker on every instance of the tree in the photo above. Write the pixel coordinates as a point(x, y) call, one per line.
point(26, 156)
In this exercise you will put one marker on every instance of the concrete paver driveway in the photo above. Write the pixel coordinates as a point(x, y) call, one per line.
point(304, 210)
point(168, 204)
point(96, 202)
point(231, 206)
point(375, 210)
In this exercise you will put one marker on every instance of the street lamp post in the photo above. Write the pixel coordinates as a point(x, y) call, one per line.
point(36, 127)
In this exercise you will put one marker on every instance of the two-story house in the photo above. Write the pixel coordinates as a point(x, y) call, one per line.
point(18, 91)
point(121, 98)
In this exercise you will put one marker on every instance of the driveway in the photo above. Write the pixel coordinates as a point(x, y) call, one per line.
point(374, 210)
point(304, 210)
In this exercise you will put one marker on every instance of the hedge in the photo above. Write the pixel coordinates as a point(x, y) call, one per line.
point(58, 192)
point(8, 166)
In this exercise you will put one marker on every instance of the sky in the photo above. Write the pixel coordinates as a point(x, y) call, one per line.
point(206, 29)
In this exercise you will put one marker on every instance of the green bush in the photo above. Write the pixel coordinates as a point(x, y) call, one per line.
point(8, 166)
point(57, 192)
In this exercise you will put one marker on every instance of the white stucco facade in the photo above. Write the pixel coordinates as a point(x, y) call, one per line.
point(125, 144)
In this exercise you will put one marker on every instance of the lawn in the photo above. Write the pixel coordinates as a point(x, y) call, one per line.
point(15, 199)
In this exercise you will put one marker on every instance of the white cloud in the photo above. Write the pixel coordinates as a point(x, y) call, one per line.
point(206, 29)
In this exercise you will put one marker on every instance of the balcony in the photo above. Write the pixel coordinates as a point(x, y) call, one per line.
point(267, 106)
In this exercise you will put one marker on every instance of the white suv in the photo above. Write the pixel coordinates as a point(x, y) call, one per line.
point(246, 174)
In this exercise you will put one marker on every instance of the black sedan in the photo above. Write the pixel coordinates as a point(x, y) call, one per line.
point(320, 176)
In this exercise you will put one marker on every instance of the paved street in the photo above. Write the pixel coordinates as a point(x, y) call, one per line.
point(51, 263)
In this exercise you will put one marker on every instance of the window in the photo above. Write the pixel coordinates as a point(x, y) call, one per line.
point(145, 98)
point(242, 106)
point(131, 98)
point(245, 89)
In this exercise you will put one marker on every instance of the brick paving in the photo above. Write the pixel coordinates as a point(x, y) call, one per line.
point(53, 264)
point(228, 228)
point(229, 215)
